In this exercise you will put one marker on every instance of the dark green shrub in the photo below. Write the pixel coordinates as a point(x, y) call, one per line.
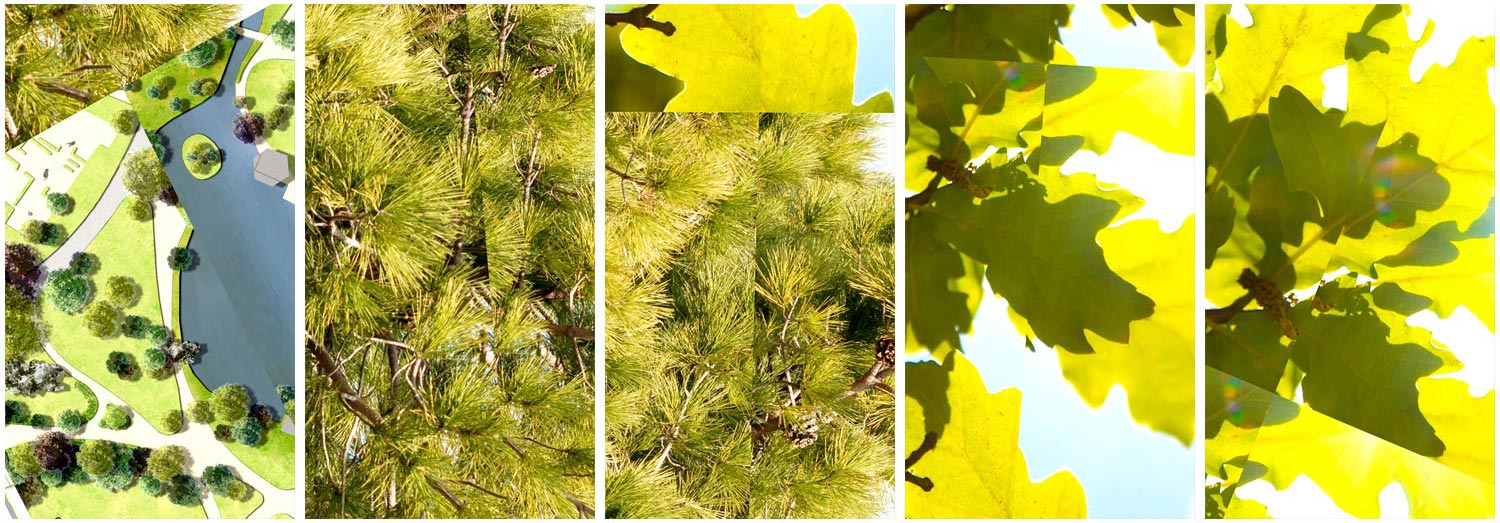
point(200, 55)
point(59, 203)
point(115, 418)
point(68, 291)
point(70, 421)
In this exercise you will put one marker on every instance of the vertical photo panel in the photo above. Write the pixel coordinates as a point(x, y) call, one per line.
point(150, 297)
point(750, 260)
point(450, 273)
point(1350, 261)
point(1049, 277)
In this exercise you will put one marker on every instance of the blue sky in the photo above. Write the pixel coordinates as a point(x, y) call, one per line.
point(875, 64)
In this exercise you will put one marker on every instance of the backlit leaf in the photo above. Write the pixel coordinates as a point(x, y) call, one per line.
point(755, 58)
point(975, 465)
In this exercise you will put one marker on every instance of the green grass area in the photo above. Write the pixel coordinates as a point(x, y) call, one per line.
point(87, 501)
point(75, 395)
point(236, 509)
point(272, 459)
point(268, 18)
point(266, 79)
point(106, 108)
point(86, 190)
point(206, 172)
point(124, 248)
point(8, 211)
point(281, 516)
point(155, 112)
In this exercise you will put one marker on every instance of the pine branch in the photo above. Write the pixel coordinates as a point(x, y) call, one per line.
point(583, 509)
point(572, 332)
point(872, 379)
point(637, 181)
point(640, 17)
point(347, 394)
point(447, 495)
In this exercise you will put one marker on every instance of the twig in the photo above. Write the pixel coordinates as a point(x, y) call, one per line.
point(640, 17)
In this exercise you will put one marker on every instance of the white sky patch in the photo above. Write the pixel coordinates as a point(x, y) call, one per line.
point(1454, 23)
point(1240, 14)
point(1094, 42)
point(1336, 88)
point(1469, 340)
point(1163, 179)
point(1302, 499)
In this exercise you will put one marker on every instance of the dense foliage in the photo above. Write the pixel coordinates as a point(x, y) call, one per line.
point(1335, 236)
point(59, 58)
point(284, 33)
point(32, 378)
point(449, 261)
point(996, 105)
point(249, 127)
point(200, 55)
point(751, 299)
point(69, 291)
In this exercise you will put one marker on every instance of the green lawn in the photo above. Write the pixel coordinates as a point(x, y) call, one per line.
point(75, 501)
point(188, 145)
point(74, 396)
point(266, 80)
point(273, 459)
point(124, 248)
point(272, 13)
point(154, 112)
point(236, 509)
point(87, 188)
point(106, 108)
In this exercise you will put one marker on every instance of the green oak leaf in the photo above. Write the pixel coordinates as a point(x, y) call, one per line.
point(755, 58)
point(997, 101)
point(1249, 347)
point(1012, 33)
point(945, 283)
point(973, 460)
point(1156, 366)
point(1356, 374)
point(1220, 221)
point(1322, 156)
point(1043, 258)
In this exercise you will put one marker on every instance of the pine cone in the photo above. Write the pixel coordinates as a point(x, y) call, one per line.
point(542, 70)
point(885, 351)
point(804, 432)
point(801, 439)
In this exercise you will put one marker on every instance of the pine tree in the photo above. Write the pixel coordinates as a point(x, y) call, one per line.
point(60, 58)
point(450, 261)
point(750, 303)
